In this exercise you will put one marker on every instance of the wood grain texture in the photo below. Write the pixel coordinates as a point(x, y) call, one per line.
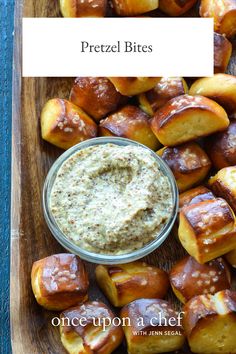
point(32, 332)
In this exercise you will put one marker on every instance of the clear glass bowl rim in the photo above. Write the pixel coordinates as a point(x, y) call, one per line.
point(97, 257)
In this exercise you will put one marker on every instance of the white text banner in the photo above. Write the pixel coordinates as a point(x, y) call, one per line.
point(56, 47)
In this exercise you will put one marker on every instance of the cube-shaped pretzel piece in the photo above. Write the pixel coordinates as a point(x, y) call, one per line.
point(220, 88)
point(176, 7)
point(132, 123)
point(186, 118)
point(210, 323)
point(97, 96)
point(83, 8)
point(221, 147)
point(166, 89)
point(207, 229)
point(90, 328)
point(222, 53)
point(188, 162)
point(194, 196)
point(189, 278)
point(127, 282)
point(134, 7)
point(59, 281)
point(153, 327)
point(223, 184)
point(63, 124)
point(231, 258)
point(131, 86)
point(224, 14)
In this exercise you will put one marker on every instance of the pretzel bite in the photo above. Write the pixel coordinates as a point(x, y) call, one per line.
point(132, 123)
point(231, 258)
point(63, 124)
point(59, 281)
point(210, 323)
point(223, 184)
point(224, 14)
point(134, 7)
point(176, 7)
point(96, 96)
point(221, 147)
point(194, 196)
point(222, 53)
point(83, 8)
point(188, 162)
point(207, 229)
point(166, 89)
point(127, 282)
point(189, 278)
point(159, 331)
point(220, 88)
point(90, 328)
point(186, 118)
point(131, 86)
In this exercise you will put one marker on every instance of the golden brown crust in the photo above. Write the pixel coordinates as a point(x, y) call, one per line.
point(223, 184)
point(63, 124)
point(82, 333)
point(222, 53)
point(83, 8)
point(221, 147)
point(132, 123)
point(147, 316)
point(188, 162)
point(127, 282)
point(96, 95)
point(207, 229)
point(231, 258)
point(131, 86)
point(186, 118)
point(166, 89)
point(134, 7)
point(189, 278)
point(176, 7)
point(206, 305)
point(224, 14)
point(210, 322)
point(59, 281)
point(209, 216)
point(220, 88)
point(194, 196)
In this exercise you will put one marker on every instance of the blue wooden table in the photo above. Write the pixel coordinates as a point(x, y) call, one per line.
point(6, 46)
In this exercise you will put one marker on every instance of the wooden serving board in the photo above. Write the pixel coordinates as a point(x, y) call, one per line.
point(31, 329)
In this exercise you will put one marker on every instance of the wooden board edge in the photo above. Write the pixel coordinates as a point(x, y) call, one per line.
point(15, 320)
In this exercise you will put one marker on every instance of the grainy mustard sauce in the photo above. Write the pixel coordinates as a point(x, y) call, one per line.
point(111, 199)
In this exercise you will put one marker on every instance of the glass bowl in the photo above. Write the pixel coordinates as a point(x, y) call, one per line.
point(98, 257)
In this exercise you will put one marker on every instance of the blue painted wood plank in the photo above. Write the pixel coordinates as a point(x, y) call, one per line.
point(6, 48)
